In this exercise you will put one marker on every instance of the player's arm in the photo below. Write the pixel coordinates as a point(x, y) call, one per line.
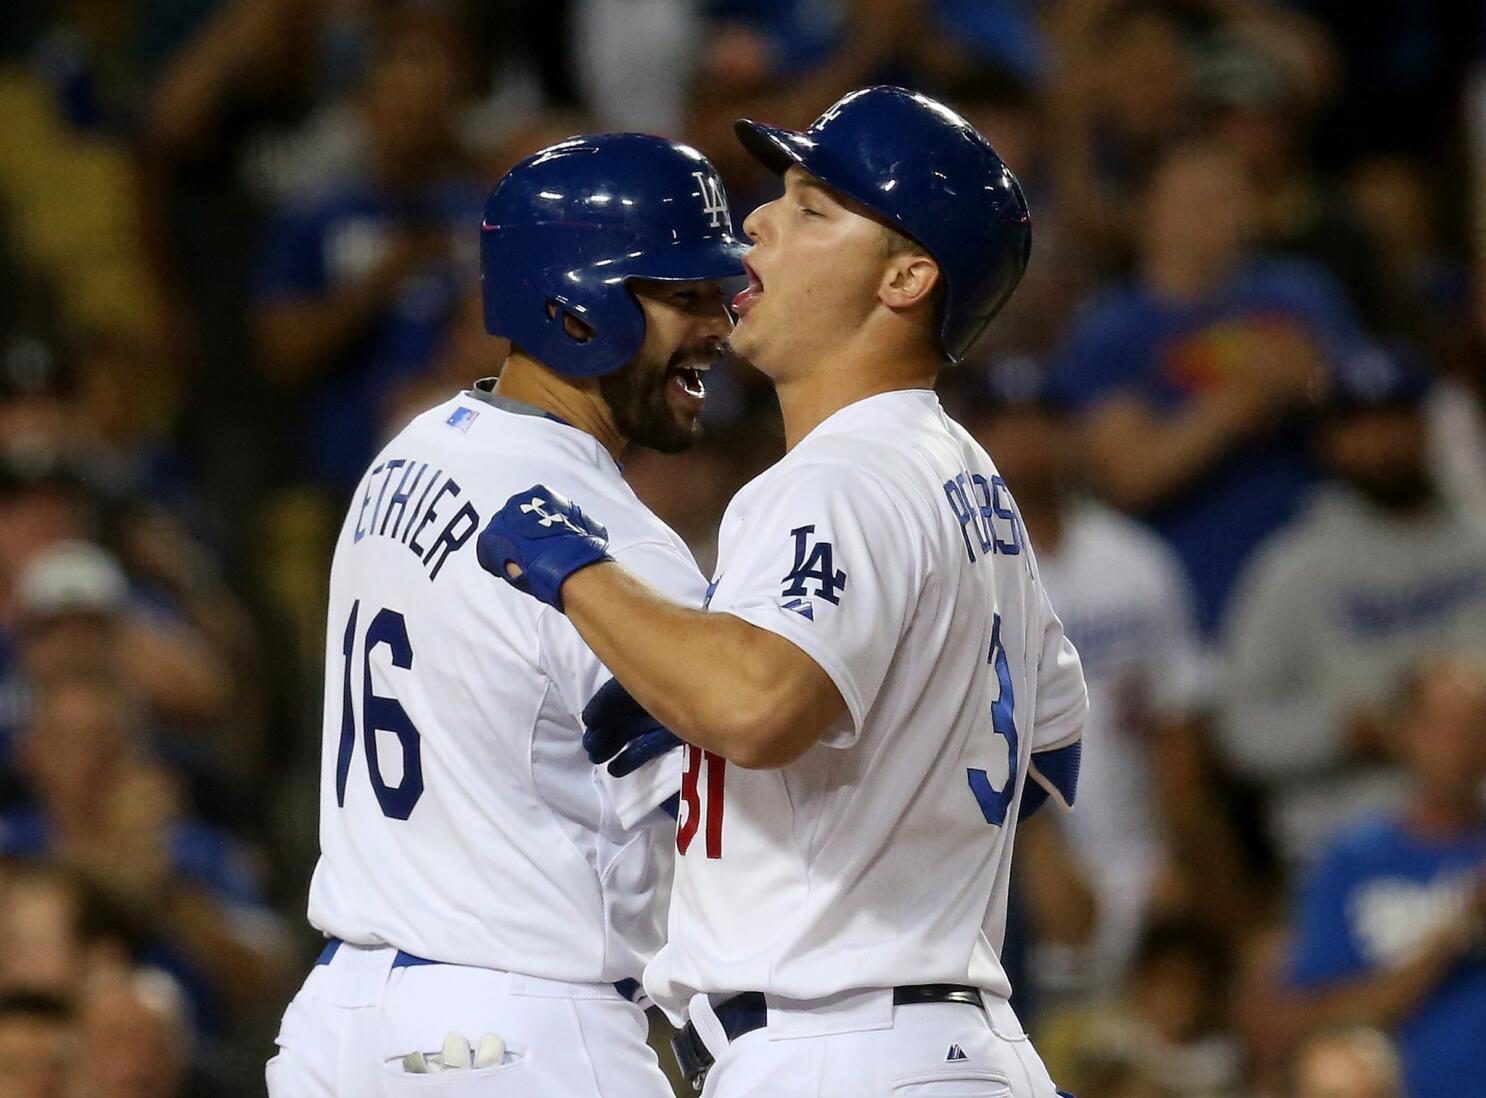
point(718, 682)
point(795, 645)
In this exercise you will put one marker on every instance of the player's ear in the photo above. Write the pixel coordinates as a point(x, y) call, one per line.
point(909, 281)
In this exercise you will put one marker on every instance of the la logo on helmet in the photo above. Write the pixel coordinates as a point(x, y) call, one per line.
point(714, 205)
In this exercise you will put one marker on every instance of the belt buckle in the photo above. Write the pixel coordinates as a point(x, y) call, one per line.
point(692, 1056)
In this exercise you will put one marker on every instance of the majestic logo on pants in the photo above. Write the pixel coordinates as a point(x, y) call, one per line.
point(955, 1053)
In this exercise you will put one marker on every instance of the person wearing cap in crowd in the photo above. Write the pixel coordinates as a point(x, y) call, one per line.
point(1390, 927)
point(1378, 571)
point(76, 611)
point(41, 505)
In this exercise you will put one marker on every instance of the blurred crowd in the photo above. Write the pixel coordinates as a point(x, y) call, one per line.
point(1240, 399)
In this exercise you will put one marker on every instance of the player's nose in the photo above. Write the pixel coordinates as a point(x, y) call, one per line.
point(755, 225)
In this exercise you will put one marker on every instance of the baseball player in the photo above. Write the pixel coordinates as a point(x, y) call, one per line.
point(880, 671)
point(490, 899)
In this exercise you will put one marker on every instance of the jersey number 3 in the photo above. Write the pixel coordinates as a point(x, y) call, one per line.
point(994, 802)
point(691, 797)
point(380, 715)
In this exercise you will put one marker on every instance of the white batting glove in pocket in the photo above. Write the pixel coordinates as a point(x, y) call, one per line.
point(457, 1070)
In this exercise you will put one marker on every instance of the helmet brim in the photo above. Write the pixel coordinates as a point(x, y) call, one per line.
point(774, 147)
point(779, 149)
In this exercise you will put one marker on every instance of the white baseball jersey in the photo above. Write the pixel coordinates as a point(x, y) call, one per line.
point(460, 820)
point(886, 547)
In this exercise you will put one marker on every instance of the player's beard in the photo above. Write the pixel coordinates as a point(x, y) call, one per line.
point(636, 395)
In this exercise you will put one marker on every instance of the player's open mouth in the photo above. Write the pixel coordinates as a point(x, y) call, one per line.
point(746, 297)
point(687, 380)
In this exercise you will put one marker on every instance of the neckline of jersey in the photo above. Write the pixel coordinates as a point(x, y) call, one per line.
point(839, 421)
point(483, 390)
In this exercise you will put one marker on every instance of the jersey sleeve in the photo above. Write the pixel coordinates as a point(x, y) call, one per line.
point(1062, 697)
point(578, 673)
point(834, 564)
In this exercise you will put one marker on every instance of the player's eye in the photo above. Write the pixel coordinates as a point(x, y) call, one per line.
point(808, 212)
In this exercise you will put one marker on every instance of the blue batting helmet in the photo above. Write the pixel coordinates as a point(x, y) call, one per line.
point(929, 174)
point(567, 228)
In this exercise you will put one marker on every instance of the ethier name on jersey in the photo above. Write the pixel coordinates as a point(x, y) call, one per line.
point(437, 496)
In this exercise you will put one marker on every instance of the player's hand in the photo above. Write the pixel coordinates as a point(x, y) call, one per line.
point(539, 539)
point(618, 731)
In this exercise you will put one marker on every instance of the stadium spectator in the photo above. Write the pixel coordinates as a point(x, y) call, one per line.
point(1119, 96)
point(1348, 1063)
point(1426, 284)
point(103, 807)
point(1167, 1031)
point(136, 1039)
point(1390, 924)
point(355, 292)
point(1193, 376)
point(1377, 573)
point(780, 60)
point(41, 505)
point(76, 613)
point(38, 1045)
point(59, 930)
point(1255, 100)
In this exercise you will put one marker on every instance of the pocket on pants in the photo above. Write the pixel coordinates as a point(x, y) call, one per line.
point(960, 1083)
point(508, 1079)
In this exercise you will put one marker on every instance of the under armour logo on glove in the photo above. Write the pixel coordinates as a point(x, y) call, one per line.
point(537, 506)
point(539, 539)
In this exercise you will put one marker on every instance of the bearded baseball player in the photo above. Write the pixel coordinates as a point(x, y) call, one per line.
point(490, 899)
point(880, 671)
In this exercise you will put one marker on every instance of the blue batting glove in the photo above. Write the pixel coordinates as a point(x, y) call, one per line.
point(547, 537)
point(618, 731)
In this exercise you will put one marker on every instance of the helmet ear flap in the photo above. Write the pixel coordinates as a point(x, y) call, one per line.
point(573, 326)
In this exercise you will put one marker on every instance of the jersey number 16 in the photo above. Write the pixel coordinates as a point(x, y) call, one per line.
point(379, 714)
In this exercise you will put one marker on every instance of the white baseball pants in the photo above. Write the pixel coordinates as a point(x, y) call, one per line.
point(345, 1034)
point(859, 1045)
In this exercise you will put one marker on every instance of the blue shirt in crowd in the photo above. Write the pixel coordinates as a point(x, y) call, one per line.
point(1372, 899)
point(1129, 341)
point(335, 242)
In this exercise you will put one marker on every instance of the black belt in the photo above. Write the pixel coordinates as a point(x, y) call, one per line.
point(746, 1012)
